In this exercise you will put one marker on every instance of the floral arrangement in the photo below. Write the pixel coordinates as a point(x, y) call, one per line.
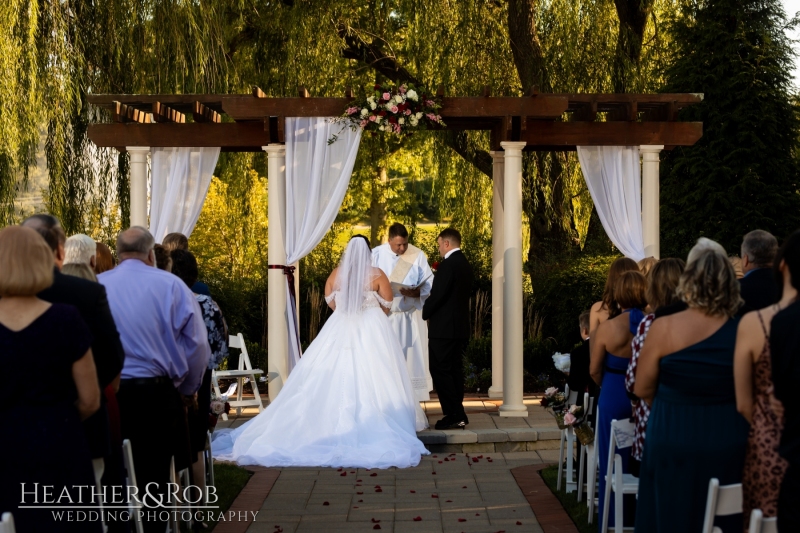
point(218, 406)
point(398, 111)
point(554, 399)
point(435, 266)
point(562, 361)
point(574, 417)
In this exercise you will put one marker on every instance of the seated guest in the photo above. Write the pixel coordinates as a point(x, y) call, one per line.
point(611, 350)
point(184, 265)
point(685, 372)
point(660, 295)
point(163, 259)
point(80, 249)
point(758, 287)
point(90, 300)
point(79, 270)
point(179, 241)
point(579, 379)
point(784, 346)
point(752, 370)
point(104, 260)
point(608, 307)
point(44, 442)
point(166, 355)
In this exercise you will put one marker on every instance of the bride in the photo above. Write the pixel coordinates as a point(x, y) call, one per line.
point(349, 401)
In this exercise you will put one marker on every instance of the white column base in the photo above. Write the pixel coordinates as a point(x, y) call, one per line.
point(495, 392)
point(513, 410)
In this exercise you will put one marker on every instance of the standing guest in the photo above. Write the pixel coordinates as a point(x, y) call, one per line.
point(105, 259)
point(166, 355)
point(611, 351)
point(784, 345)
point(406, 264)
point(685, 372)
point(579, 378)
point(661, 296)
point(80, 249)
point(91, 301)
point(184, 265)
point(163, 258)
point(179, 241)
point(647, 264)
point(758, 287)
point(79, 270)
point(608, 307)
point(752, 370)
point(51, 448)
point(447, 313)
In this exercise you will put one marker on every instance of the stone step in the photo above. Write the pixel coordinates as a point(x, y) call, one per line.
point(491, 440)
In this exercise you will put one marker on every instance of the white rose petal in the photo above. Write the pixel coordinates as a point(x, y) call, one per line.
point(398, 99)
point(373, 105)
point(413, 121)
point(401, 120)
point(412, 94)
point(364, 112)
point(381, 128)
point(419, 115)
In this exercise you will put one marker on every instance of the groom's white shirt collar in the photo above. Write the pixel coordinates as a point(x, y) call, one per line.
point(451, 252)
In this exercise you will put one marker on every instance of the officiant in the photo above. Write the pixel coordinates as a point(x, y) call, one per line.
point(405, 264)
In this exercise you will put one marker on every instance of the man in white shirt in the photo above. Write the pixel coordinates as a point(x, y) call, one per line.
point(407, 265)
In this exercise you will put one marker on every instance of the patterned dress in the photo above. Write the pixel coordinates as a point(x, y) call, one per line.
point(641, 411)
point(763, 467)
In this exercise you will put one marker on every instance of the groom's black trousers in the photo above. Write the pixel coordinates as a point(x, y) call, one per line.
point(446, 362)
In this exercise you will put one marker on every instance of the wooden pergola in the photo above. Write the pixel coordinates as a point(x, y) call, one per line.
point(544, 122)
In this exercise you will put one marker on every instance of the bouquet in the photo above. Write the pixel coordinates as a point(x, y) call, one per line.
point(562, 361)
point(554, 399)
point(574, 417)
point(218, 406)
point(395, 110)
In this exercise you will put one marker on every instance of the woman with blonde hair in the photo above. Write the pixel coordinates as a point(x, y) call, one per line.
point(685, 372)
point(608, 306)
point(47, 445)
point(646, 265)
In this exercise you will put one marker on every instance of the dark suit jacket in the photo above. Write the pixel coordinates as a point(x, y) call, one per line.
point(579, 378)
point(91, 301)
point(759, 290)
point(784, 344)
point(447, 307)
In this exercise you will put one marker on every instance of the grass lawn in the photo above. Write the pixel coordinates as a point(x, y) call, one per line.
point(230, 480)
point(578, 511)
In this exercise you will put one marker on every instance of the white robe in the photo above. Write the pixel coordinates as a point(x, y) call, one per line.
point(406, 315)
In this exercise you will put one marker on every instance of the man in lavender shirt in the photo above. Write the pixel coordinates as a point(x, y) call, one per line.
point(166, 353)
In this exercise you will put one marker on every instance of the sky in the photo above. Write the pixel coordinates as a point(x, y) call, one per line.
point(791, 7)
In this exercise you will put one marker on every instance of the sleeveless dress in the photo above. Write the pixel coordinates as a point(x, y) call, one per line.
point(614, 404)
point(694, 434)
point(763, 467)
point(347, 403)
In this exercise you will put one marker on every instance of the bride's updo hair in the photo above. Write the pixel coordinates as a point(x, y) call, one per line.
point(362, 237)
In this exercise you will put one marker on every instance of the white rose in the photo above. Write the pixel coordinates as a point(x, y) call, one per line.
point(401, 120)
point(389, 106)
point(419, 115)
point(377, 119)
point(398, 99)
point(373, 105)
point(370, 99)
point(413, 121)
point(364, 112)
point(382, 128)
point(412, 95)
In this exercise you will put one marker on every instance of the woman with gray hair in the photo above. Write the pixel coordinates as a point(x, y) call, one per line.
point(685, 372)
point(80, 249)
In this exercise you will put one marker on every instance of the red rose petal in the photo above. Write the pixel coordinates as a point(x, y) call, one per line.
point(446, 459)
point(376, 526)
point(412, 491)
point(433, 473)
point(355, 507)
point(434, 495)
point(359, 493)
point(519, 523)
point(462, 519)
point(477, 514)
point(358, 481)
point(435, 456)
point(343, 474)
point(440, 462)
point(325, 503)
point(378, 490)
point(375, 521)
point(417, 518)
point(360, 501)
point(339, 470)
point(480, 457)
point(373, 474)
point(464, 487)
point(448, 501)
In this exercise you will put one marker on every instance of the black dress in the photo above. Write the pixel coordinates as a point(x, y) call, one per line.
point(49, 447)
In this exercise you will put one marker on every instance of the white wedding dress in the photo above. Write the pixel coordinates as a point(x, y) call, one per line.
point(348, 402)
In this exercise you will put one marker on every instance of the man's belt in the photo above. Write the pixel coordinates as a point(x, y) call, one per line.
point(157, 380)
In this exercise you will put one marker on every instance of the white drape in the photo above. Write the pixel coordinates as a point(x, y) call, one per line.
point(317, 177)
point(179, 183)
point(613, 176)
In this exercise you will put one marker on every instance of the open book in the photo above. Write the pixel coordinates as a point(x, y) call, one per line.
point(397, 286)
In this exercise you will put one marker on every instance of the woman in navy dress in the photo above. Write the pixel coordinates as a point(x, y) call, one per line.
point(50, 447)
point(611, 351)
point(686, 372)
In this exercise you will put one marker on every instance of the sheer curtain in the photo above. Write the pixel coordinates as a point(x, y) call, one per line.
point(179, 183)
point(317, 177)
point(613, 176)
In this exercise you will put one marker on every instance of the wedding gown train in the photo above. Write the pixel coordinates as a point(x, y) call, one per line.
point(348, 403)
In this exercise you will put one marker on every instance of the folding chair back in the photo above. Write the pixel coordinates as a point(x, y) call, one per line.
point(243, 373)
point(759, 524)
point(721, 501)
point(7, 523)
point(130, 476)
point(616, 481)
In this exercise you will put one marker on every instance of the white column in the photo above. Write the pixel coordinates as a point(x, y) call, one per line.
point(138, 184)
point(650, 199)
point(277, 321)
point(512, 283)
point(498, 245)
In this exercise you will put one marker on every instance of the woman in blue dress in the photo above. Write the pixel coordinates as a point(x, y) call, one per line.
point(685, 372)
point(611, 351)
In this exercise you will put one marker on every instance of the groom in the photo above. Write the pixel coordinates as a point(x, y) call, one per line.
point(447, 313)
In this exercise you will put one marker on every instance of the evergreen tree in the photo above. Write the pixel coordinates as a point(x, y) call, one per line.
point(743, 173)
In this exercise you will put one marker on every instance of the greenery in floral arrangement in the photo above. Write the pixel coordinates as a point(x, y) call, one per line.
point(395, 110)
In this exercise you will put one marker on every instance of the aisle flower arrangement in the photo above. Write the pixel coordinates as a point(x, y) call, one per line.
point(395, 110)
point(218, 406)
point(575, 418)
point(555, 401)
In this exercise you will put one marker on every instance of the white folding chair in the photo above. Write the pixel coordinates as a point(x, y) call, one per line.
point(7, 523)
point(585, 450)
point(759, 524)
point(591, 478)
point(722, 501)
point(130, 480)
point(209, 461)
point(568, 437)
point(616, 480)
point(185, 481)
point(245, 372)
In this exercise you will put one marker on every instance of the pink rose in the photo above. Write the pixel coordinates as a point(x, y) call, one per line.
point(394, 109)
point(402, 89)
point(363, 123)
point(569, 419)
point(372, 118)
point(386, 96)
point(407, 112)
point(431, 116)
point(351, 110)
point(430, 103)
